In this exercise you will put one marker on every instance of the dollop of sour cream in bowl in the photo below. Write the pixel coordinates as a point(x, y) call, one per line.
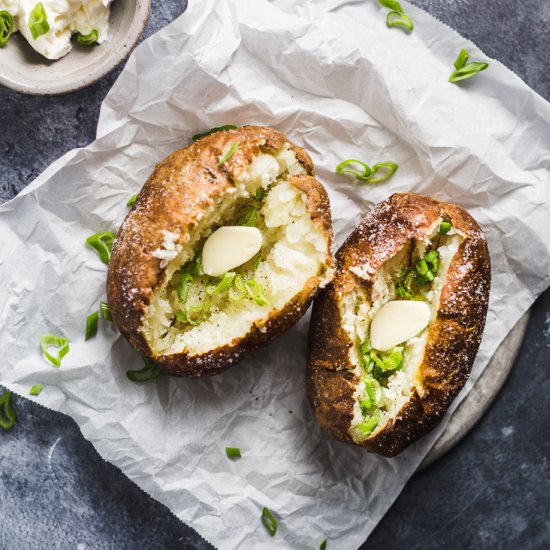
point(49, 25)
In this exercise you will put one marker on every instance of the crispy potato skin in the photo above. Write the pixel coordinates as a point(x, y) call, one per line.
point(453, 337)
point(174, 198)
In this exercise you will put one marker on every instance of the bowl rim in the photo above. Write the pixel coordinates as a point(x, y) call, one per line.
point(135, 30)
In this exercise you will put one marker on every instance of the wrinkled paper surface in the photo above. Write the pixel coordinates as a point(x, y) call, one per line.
point(335, 79)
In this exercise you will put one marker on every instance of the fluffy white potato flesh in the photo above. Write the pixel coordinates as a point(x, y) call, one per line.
point(358, 310)
point(293, 250)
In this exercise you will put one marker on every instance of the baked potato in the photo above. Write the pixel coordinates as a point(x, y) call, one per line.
point(224, 248)
point(393, 338)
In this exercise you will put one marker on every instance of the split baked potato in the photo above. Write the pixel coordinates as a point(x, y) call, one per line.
point(260, 188)
point(393, 338)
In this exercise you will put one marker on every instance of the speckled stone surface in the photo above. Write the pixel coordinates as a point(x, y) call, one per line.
point(492, 491)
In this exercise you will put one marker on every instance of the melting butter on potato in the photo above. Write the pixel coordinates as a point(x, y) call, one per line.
point(230, 247)
point(398, 321)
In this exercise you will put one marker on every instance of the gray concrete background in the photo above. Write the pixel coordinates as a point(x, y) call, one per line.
point(492, 491)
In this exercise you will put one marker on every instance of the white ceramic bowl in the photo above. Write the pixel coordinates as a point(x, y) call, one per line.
point(26, 71)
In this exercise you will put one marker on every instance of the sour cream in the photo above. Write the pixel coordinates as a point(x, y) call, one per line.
point(65, 18)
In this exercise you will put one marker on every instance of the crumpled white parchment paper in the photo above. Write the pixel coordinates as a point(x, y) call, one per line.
point(332, 76)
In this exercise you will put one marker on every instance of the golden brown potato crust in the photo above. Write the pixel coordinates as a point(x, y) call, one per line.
point(453, 337)
point(174, 198)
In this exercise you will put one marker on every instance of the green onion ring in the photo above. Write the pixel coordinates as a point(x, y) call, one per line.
point(132, 199)
point(224, 285)
point(391, 166)
point(196, 137)
point(102, 243)
point(250, 219)
point(105, 311)
point(149, 372)
point(7, 420)
point(394, 19)
point(6, 27)
point(88, 39)
point(445, 227)
point(256, 291)
point(38, 21)
point(92, 324)
point(233, 452)
point(391, 5)
point(364, 175)
point(36, 389)
point(368, 425)
point(461, 59)
point(269, 521)
point(469, 70)
point(323, 545)
point(60, 342)
point(229, 153)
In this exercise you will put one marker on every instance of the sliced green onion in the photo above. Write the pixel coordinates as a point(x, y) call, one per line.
point(229, 154)
point(52, 341)
point(269, 521)
point(370, 422)
point(250, 219)
point(184, 286)
point(256, 291)
point(196, 137)
point(461, 59)
point(397, 19)
point(404, 283)
point(391, 5)
point(257, 262)
point(238, 291)
point(432, 257)
point(374, 392)
point(102, 243)
point(360, 175)
point(92, 324)
point(261, 194)
point(193, 267)
point(445, 227)
point(323, 545)
point(233, 452)
point(391, 169)
point(36, 389)
point(469, 70)
point(132, 199)
point(38, 21)
point(368, 173)
point(224, 285)
point(7, 420)
point(149, 372)
point(105, 311)
point(88, 39)
point(6, 27)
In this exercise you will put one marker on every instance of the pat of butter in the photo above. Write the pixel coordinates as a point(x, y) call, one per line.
point(229, 247)
point(398, 321)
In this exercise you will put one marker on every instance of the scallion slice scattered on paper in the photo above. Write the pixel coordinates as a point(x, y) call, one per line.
point(92, 324)
point(466, 70)
point(149, 372)
point(233, 452)
point(269, 521)
point(36, 389)
point(49, 341)
point(102, 243)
